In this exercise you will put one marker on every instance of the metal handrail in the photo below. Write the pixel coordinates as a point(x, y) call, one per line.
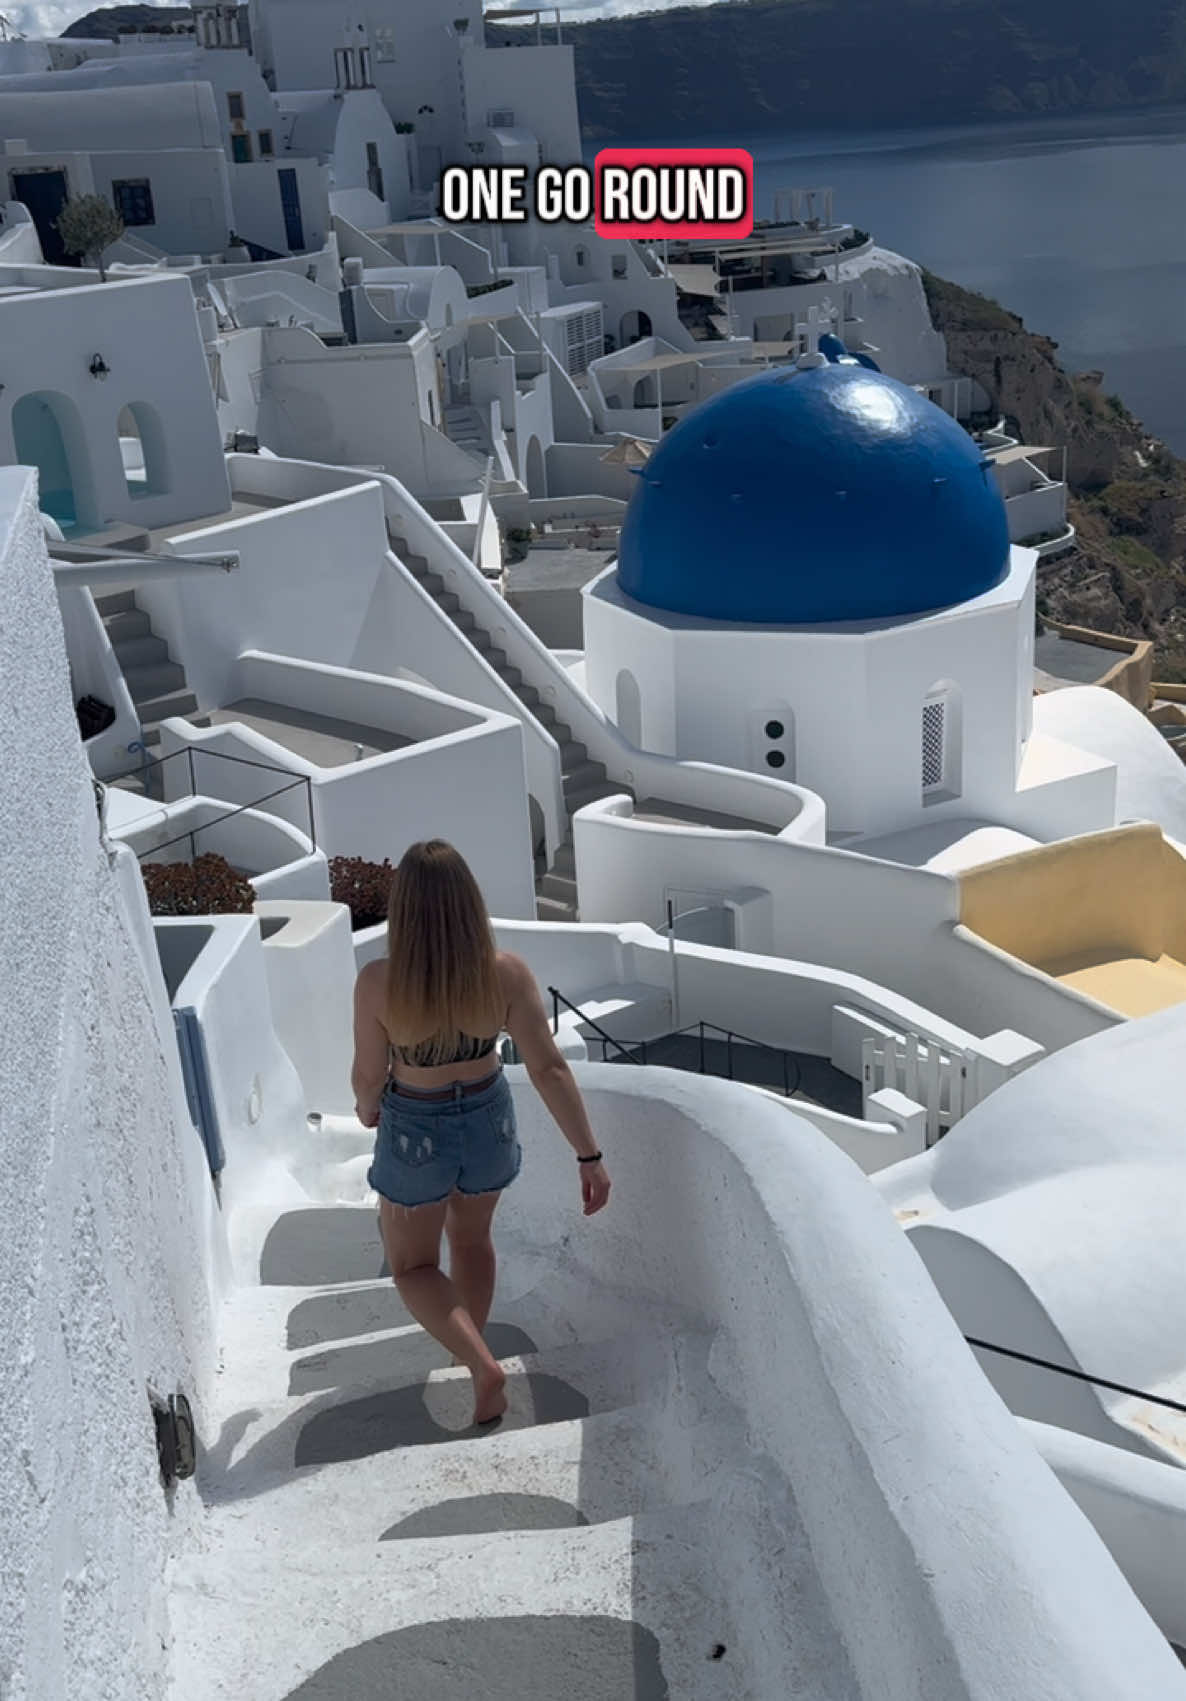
point(558, 999)
point(240, 809)
point(149, 762)
point(732, 1034)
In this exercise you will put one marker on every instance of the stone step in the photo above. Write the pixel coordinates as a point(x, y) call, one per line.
point(145, 651)
point(449, 601)
point(128, 623)
point(553, 909)
point(154, 710)
point(565, 862)
point(562, 887)
point(116, 602)
point(527, 694)
point(157, 680)
point(510, 675)
point(582, 776)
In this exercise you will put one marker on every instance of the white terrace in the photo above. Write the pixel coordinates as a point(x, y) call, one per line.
point(746, 1444)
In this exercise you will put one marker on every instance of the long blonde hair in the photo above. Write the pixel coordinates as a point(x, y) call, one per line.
point(442, 977)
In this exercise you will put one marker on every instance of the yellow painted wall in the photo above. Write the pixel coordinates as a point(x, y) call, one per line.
point(1104, 913)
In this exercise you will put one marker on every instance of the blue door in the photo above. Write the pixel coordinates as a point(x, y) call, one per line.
point(290, 200)
point(43, 193)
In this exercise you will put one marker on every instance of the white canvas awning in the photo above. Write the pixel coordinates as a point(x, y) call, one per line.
point(656, 363)
point(1018, 452)
point(413, 227)
point(630, 452)
point(695, 280)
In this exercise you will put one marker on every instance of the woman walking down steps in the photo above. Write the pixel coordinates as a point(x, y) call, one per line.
point(427, 1076)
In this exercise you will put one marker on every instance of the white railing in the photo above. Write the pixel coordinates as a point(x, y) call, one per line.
point(947, 1084)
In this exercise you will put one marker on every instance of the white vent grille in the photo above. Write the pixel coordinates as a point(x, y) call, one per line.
point(934, 737)
point(583, 339)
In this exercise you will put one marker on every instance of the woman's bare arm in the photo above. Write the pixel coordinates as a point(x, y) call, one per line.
point(527, 1024)
point(369, 1074)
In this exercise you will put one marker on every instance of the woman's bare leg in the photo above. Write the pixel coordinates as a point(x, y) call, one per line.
point(468, 1221)
point(412, 1241)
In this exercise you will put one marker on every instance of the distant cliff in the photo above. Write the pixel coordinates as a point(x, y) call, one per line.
point(1128, 492)
point(743, 66)
point(111, 21)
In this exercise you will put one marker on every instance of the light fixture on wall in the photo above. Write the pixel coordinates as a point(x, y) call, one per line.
point(98, 367)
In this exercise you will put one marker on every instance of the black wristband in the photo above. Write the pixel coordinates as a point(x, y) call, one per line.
point(593, 1158)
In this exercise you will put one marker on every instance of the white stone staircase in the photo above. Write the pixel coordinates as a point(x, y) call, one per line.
point(465, 426)
point(361, 1540)
point(584, 780)
point(156, 683)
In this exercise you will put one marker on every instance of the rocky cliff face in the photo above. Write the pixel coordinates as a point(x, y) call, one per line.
point(1127, 491)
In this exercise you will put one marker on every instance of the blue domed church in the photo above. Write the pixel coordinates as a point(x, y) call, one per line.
point(815, 582)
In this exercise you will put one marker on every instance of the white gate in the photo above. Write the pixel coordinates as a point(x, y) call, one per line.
point(947, 1083)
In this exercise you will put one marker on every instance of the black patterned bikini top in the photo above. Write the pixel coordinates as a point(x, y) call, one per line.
point(437, 1050)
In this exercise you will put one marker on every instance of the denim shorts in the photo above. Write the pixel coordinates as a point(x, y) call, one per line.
point(426, 1149)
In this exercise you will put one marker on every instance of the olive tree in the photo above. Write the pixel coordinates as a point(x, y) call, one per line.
point(88, 225)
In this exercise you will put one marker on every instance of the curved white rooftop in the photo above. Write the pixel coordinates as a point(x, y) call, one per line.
point(174, 115)
point(1150, 778)
point(1051, 1219)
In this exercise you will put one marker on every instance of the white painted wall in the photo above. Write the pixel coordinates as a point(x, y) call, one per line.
point(95, 672)
point(536, 84)
point(1150, 779)
point(146, 330)
point(1050, 1220)
point(1001, 1589)
point(463, 778)
point(257, 1095)
point(18, 234)
point(309, 957)
point(279, 859)
point(1138, 1507)
point(111, 1259)
point(854, 692)
point(894, 925)
point(887, 303)
point(365, 404)
point(259, 211)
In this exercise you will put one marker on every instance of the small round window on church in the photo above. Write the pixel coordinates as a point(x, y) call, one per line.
point(775, 759)
point(774, 729)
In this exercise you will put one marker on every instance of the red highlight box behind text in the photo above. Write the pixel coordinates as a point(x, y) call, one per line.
point(681, 159)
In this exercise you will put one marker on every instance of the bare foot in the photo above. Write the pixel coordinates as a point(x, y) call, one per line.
point(490, 1400)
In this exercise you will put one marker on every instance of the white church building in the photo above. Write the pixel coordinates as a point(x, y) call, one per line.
point(815, 581)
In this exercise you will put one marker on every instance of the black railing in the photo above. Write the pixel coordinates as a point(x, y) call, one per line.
point(637, 1051)
point(156, 763)
point(1077, 1375)
point(629, 1053)
point(558, 999)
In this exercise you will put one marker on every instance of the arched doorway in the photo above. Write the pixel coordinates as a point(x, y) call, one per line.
point(628, 708)
point(142, 450)
point(635, 325)
point(536, 478)
point(47, 434)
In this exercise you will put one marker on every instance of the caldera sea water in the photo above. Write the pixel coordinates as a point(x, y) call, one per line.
point(1078, 225)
